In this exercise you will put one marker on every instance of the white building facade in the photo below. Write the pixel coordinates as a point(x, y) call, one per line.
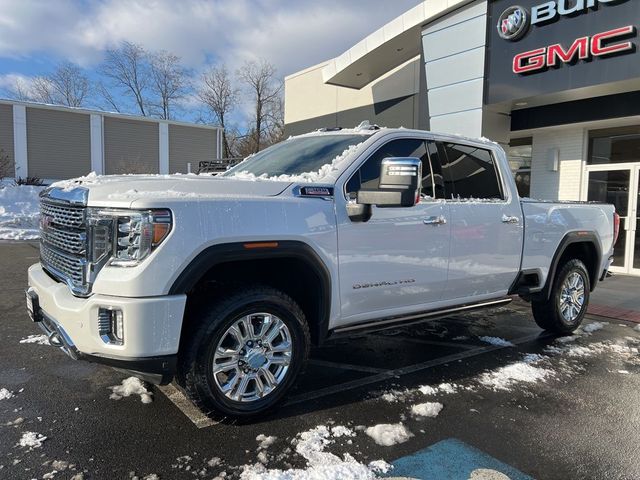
point(557, 83)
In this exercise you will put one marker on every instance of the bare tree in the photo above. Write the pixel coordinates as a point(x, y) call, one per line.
point(169, 81)
point(18, 90)
point(68, 85)
point(128, 68)
point(106, 94)
point(260, 79)
point(42, 90)
point(221, 97)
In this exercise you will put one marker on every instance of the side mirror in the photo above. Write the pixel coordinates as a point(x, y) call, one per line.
point(400, 184)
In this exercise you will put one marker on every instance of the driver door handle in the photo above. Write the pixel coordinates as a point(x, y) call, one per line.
point(435, 220)
point(510, 219)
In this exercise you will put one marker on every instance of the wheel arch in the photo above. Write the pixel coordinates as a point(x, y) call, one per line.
point(293, 266)
point(581, 245)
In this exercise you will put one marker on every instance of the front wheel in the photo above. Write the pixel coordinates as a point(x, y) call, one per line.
point(567, 305)
point(245, 353)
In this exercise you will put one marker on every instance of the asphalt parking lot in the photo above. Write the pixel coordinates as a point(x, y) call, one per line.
point(535, 407)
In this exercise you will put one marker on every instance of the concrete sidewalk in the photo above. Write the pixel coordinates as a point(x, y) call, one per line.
point(617, 297)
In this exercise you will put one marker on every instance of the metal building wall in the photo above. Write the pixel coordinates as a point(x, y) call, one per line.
point(190, 145)
point(6, 136)
point(58, 143)
point(130, 146)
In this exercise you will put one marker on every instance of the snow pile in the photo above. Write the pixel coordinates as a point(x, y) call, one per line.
point(504, 378)
point(388, 434)
point(637, 328)
point(39, 339)
point(265, 441)
point(19, 212)
point(131, 386)
point(321, 465)
point(593, 327)
point(68, 185)
point(31, 440)
point(306, 177)
point(497, 341)
point(428, 409)
point(446, 388)
point(5, 394)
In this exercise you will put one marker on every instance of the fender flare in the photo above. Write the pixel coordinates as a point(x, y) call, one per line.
point(238, 252)
point(572, 238)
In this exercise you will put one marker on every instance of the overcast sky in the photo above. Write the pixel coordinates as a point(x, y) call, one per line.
point(292, 34)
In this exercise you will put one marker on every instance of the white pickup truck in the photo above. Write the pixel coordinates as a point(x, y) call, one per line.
point(223, 283)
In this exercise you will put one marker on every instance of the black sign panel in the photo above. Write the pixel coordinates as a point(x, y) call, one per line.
point(538, 47)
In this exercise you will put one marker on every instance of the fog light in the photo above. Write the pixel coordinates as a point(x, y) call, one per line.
point(111, 325)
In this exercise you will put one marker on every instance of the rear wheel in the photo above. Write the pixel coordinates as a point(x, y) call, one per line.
point(245, 353)
point(567, 305)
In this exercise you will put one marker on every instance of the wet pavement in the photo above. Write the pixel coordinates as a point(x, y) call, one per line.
point(540, 408)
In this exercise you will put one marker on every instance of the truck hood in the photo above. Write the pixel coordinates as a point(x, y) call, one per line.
point(124, 190)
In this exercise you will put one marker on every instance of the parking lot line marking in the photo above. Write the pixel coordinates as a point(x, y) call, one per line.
point(461, 345)
point(347, 366)
point(452, 458)
point(323, 392)
point(192, 412)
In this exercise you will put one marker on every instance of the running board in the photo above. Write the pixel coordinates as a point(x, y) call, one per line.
point(387, 322)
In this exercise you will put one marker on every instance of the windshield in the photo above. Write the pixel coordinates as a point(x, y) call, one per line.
point(298, 159)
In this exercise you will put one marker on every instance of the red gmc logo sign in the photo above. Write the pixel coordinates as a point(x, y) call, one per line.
point(584, 48)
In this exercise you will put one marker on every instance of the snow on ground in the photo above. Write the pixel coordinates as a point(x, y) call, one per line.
point(428, 409)
point(388, 434)
point(131, 386)
point(265, 441)
point(19, 212)
point(39, 339)
point(637, 328)
point(5, 394)
point(320, 465)
point(593, 327)
point(446, 388)
point(497, 341)
point(525, 371)
point(31, 440)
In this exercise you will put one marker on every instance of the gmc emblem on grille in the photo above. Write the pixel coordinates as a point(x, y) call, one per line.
point(45, 221)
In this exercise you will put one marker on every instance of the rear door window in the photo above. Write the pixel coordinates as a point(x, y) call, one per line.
point(469, 172)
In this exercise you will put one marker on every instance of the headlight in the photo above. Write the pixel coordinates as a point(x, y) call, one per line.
point(128, 236)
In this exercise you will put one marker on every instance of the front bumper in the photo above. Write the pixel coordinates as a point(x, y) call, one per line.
point(151, 327)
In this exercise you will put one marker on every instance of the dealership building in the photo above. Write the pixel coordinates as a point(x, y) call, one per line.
point(54, 142)
point(557, 83)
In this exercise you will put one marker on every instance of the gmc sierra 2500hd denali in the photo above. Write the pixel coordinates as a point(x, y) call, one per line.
point(224, 282)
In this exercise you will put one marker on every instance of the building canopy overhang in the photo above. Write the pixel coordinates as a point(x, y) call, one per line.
point(387, 48)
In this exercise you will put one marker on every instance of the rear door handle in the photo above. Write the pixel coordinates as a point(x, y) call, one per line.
point(436, 220)
point(509, 219)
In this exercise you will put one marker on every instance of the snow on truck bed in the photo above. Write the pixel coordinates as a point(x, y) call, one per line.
point(19, 212)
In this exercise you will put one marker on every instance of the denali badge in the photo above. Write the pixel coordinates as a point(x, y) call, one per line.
point(513, 23)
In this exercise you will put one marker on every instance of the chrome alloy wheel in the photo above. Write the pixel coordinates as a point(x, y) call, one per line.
point(572, 297)
point(252, 357)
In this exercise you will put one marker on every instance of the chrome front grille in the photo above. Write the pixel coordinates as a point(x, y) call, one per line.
point(63, 240)
point(65, 216)
point(68, 268)
point(73, 242)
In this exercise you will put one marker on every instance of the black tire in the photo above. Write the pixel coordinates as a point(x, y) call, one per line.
point(548, 314)
point(210, 322)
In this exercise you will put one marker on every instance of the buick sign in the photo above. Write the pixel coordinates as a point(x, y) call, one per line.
point(514, 23)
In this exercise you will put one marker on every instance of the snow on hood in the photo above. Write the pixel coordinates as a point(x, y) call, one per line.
point(121, 189)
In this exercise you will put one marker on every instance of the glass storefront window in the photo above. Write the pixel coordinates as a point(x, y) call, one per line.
point(519, 156)
point(614, 145)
